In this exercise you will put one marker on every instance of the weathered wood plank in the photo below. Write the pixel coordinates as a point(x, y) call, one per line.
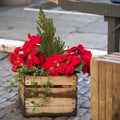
point(107, 60)
point(109, 78)
point(112, 57)
point(115, 92)
point(51, 101)
point(56, 92)
point(56, 80)
point(116, 53)
point(94, 90)
point(102, 90)
point(99, 7)
point(50, 110)
point(21, 92)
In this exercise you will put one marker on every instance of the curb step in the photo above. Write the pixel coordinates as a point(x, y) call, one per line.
point(7, 45)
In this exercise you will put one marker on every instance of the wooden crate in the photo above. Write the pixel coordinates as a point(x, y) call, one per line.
point(105, 87)
point(61, 101)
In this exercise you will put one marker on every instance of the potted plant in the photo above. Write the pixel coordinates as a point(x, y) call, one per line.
point(46, 71)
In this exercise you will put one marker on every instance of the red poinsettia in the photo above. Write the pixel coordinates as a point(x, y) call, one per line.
point(61, 64)
point(16, 59)
point(31, 43)
point(84, 54)
point(26, 54)
point(32, 59)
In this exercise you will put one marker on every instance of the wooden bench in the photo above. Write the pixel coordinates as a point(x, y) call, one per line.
point(110, 11)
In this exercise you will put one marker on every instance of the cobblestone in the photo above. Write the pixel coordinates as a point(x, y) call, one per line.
point(86, 104)
point(85, 117)
point(2, 114)
point(83, 90)
point(87, 94)
point(82, 111)
point(5, 104)
point(2, 55)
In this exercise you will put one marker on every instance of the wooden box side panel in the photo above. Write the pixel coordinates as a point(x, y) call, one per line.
point(61, 101)
point(105, 87)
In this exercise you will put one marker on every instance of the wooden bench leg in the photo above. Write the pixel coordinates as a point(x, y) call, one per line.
point(113, 34)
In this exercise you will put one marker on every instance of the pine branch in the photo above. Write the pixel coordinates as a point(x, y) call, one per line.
point(50, 44)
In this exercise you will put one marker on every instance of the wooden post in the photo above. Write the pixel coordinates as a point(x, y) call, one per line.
point(113, 34)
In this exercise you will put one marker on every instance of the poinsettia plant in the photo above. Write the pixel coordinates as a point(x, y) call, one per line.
point(29, 58)
point(44, 54)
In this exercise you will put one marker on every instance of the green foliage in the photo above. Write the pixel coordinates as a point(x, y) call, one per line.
point(34, 71)
point(46, 86)
point(50, 44)
point(79, 68)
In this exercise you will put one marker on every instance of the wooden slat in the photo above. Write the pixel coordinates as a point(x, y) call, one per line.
point(116, 53)
point(109, 78)
point(50, 109)
point(54, 1)
point(102, 91)
point(115, 92)
point(56, 92)
point(94, 90)
point(108, 60)
point(51, 101)
point(21, 92)
point(55, 80)
point(112, 57)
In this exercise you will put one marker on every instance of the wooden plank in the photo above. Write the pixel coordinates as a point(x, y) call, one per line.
point(56, 92)
point(55, 80)
point(116, 53)
point(102, 91)
point(115, 92)
point(51, 101)
point(94, 90)
point(52, 110)
point(54, 1)
point(99, 7)
point(112, 57)
point(107, 60)
point(21, 92)
point(109, 78)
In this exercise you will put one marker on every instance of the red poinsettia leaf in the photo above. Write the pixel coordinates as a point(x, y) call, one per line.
point(69, 69)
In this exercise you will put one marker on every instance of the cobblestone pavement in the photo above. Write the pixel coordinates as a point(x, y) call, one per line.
point(9, 110)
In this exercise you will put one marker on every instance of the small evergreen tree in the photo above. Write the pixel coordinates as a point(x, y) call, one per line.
point(50, 44)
